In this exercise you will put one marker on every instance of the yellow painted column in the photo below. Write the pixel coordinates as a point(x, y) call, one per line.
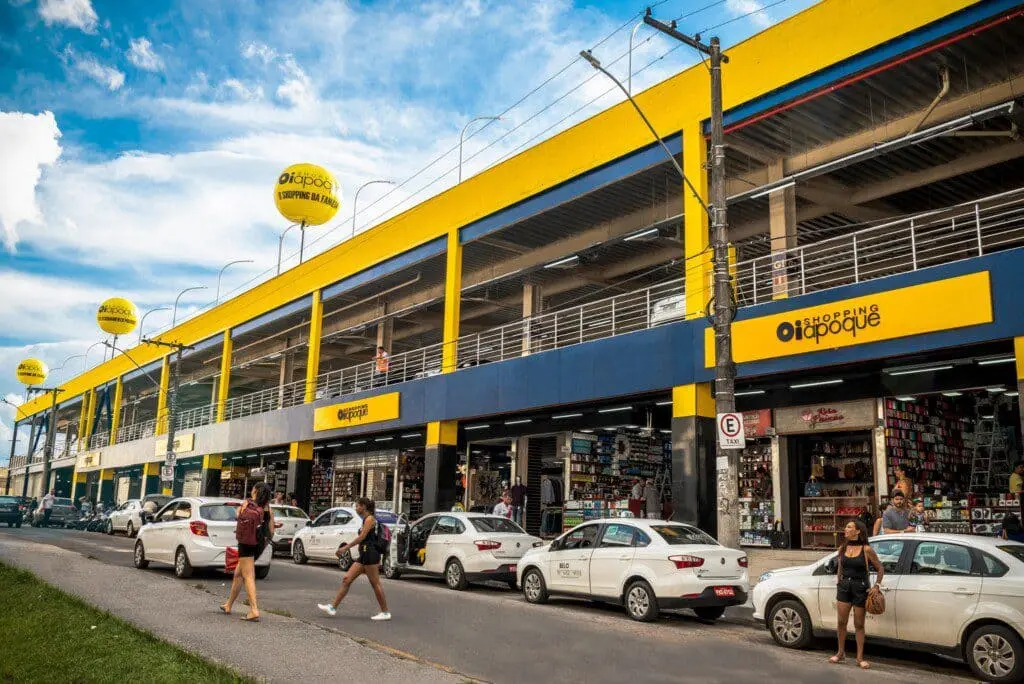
point(693, 455)
point(161, 397)
point(1018, 352)
point(90, 416)
point(115, 410)
point(210, 485)
point(693, 400)
point(78, 481)
point(696, 236)
point(106, 487)
point(316, 324)
point(150, 478)
point(440, 465)
point(224, 384)
point(83, 418)
point(300, 472)
point(452, 303)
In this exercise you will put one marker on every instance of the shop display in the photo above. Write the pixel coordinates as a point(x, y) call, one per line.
point(233, 481)
point(277, 476)
point(411, 474)
point(756, 504)
point(926, 437)
point(347, 486)
point(987, 512)
point(320, 487)
point(822, 519)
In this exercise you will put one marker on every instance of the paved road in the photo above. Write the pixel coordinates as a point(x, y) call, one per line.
point(492, 634)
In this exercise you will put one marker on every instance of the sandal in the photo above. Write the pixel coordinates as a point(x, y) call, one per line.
point(837, 659)
point(224, 610)
point(864, 665)
point(255, 618)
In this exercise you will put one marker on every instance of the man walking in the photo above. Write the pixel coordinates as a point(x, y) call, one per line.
point(47, 506)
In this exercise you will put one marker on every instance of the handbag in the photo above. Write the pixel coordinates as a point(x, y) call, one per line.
point(875, 603)
point(230, 559)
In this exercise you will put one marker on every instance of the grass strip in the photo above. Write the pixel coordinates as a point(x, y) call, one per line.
point(49, 636)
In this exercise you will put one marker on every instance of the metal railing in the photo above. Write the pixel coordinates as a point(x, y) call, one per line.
point(270, 399)
point(906, 244)
point(410, 365)
point(134, 431)
point(99, 440)
point(196, 417)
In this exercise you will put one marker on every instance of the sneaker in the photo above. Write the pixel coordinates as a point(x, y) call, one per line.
point(327, 608)
point(379, 617)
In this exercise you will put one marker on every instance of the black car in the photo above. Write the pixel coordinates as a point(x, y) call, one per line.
point(12, 510)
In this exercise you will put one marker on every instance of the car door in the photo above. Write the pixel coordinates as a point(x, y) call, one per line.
point(612, 559)
point(938, 594)
point(131, 509)
point(177, 530)
point(416, 539)
point(344, 528)
point(569, 563)
point(890, 553)
point(317, 546)
point(440, 543)
point(157, 536)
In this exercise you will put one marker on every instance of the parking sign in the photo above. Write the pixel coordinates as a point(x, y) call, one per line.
point(730, 431)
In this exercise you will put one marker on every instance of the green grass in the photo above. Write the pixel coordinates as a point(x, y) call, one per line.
point(49, 636)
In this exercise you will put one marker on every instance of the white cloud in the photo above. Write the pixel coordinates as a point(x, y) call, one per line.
point(261, 50)
point(297, 89)
point(107, 76)
point(141, 55)
point(75, 13)
point(739, 8)
point(238, 90)
point(29, 143)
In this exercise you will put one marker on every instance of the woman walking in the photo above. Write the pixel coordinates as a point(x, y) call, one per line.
point(853, 580)
point(255, 521)
point(368, 562)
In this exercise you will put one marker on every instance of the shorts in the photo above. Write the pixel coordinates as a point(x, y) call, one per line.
point(250, 550)
point(852, 591)
point(368, 556)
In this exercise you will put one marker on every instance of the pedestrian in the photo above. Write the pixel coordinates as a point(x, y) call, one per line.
point(896, 518)
point(904, 481)
point(278, 498)
point(1012, 530)
point(47, 506)
point(503, 508)
point(256, 506)
point(853, 579)
point(368, 562)
point(636, 495)
point(381, 366)
point(292, 500)
point(1017, 478)
point(652, 501)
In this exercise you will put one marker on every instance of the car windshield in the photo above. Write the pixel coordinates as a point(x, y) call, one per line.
point(386, 517)
point(496, 525)
point(61, 501)
point(9, 499)
point(1015, 550)
point(679, 535)
point(288, 512)
point(225, 512)
point(158, 500)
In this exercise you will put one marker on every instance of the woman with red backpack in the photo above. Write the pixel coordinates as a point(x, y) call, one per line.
point(252, 531)
point(372, 542)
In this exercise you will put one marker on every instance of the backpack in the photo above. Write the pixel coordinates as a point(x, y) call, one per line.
point(249, 527)
point(383, 534)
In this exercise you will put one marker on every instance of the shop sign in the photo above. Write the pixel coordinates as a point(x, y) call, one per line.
point(757, 423)
point(182, 444)
point(91, 460)
point(931, 307)
point(848, 415)
point(360, 412)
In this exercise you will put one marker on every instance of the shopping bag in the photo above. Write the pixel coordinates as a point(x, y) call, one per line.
point(230, 559)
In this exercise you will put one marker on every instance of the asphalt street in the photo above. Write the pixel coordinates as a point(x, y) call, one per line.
point(492, 634)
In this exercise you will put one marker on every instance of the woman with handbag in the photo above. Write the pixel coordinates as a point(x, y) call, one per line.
point(853, 586)
point(253, 527)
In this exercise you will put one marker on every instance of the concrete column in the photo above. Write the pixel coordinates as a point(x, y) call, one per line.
point(150, 478)
point(78, 481)
point(693, 456)
point(696, 236)
point(210, 485)
point(161, 397)
point(439, 466)
point(385, 329)
point(316, 323)
point(452, 305)
point(106, 494)
point(300, 471)
point(287, 372)
point(782, 230)
point(83, 418)
point(115, 410)
point(533, 304)
point(1018, 352)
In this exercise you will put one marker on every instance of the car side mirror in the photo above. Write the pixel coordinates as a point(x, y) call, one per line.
point(556, 545)
point(832, 567)
point(146, 518)
point(309, 523)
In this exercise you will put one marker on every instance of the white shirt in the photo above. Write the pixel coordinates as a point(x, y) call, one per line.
point(501, 509)
point(48, 501)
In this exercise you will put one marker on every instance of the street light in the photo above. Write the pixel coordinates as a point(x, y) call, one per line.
point(85, 364)
point(230, 263)
point(280, 244)
point(15, 406)
point(143, 321)
point(632, 36)
point(462, 136)
point(74, 356)
point(174, 314)
point(355, 200)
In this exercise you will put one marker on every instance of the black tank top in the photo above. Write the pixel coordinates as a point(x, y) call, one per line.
point(370, 542)
point(856, 567)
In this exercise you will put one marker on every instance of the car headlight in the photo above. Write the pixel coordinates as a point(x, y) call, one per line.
point(764, 576)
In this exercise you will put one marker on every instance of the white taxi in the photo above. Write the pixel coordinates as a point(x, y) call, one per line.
point(192, 532)
point(958, 595)
point(288, 522)
point(644, 565)
point(319, 539)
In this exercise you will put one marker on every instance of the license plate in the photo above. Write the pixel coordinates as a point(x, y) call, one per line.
point(725, 592)
point(512, 568)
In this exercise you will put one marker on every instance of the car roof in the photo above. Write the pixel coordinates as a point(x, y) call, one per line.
point(968, 539)
point(207, 499)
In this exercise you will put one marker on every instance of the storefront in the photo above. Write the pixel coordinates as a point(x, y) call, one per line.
point(127, 484)
point(758, 521)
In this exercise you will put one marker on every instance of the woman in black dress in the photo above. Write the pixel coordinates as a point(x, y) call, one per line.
point(853, 580)
point(245, 571)
point(368, 562)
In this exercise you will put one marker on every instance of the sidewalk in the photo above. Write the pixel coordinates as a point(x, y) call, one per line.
point(278, 649)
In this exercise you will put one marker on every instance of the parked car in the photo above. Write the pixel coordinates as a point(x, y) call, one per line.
point(320, 538)
point(62, 512)
point(190, 533)
point(11, 510)
point(127, 517)
point(461, 548)
point(644, 565)
point(957, 595)
point(288, 521)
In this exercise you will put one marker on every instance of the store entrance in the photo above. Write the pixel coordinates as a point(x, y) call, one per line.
point(487, 475)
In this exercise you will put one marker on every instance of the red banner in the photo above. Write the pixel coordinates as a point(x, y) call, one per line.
point(756, 423)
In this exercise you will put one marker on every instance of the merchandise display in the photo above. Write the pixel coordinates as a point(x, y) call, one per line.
point(320, 487)
point(987, 512)
point(411, 474)
point(927, 437)
point(756, 505)
point(347, 486)
point(822, 518)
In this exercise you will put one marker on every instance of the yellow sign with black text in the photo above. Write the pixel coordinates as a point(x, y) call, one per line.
point(182, 444)
point(930, 307)
point(360, 412)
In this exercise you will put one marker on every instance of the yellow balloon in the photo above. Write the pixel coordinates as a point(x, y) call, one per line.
point(32, 372)
point(307, 193)
point(117, 316)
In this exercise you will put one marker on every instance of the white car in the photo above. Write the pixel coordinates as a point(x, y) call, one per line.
point(957, 595)
point(127, 517)
point(288, 522)
point(192, 532)
point(644, 565)
point(461, 547)
point(320, 538)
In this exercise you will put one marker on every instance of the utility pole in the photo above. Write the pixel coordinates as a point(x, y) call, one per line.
point(51, 435)
point(724, 308)
point(172, 405)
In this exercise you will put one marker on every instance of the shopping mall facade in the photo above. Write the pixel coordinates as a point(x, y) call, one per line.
point(546, 319)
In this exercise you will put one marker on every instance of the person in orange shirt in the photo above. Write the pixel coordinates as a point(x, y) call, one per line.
point(382, 362)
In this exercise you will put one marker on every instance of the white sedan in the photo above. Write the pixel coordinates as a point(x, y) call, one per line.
point(288, 522)
point(645, 565)
point(461, 547)
point(957, 595)
point(127, 517)
point(192, 532)
point(319, 539)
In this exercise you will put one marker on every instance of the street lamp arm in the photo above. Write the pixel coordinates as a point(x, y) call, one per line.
point(142, 323)
point(355, 200)
point(230, 263)
point(462, 135)
point(15, 406)
point(280, 245)
point(134, 363)
point(174, 314)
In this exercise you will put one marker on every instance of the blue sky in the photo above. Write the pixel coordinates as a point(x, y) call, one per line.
point(141, 139)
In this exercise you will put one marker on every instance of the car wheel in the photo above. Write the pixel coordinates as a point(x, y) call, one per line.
point(299, 553)
point(391, 570)
point(534, 588)
point(345, 562)
point(455, 576)
point(182, 566)
point(641, 603)
point(790, 624)
point(110, 528)
point(262, 571)
point(139, 557)
point(710, 612)
point(995, 654)
point(130, 531)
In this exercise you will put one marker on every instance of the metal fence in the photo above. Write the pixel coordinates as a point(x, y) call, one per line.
point(99, 440)
point(907, 244)
point(270, 399)
point(196, 417)
point(134, 431)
